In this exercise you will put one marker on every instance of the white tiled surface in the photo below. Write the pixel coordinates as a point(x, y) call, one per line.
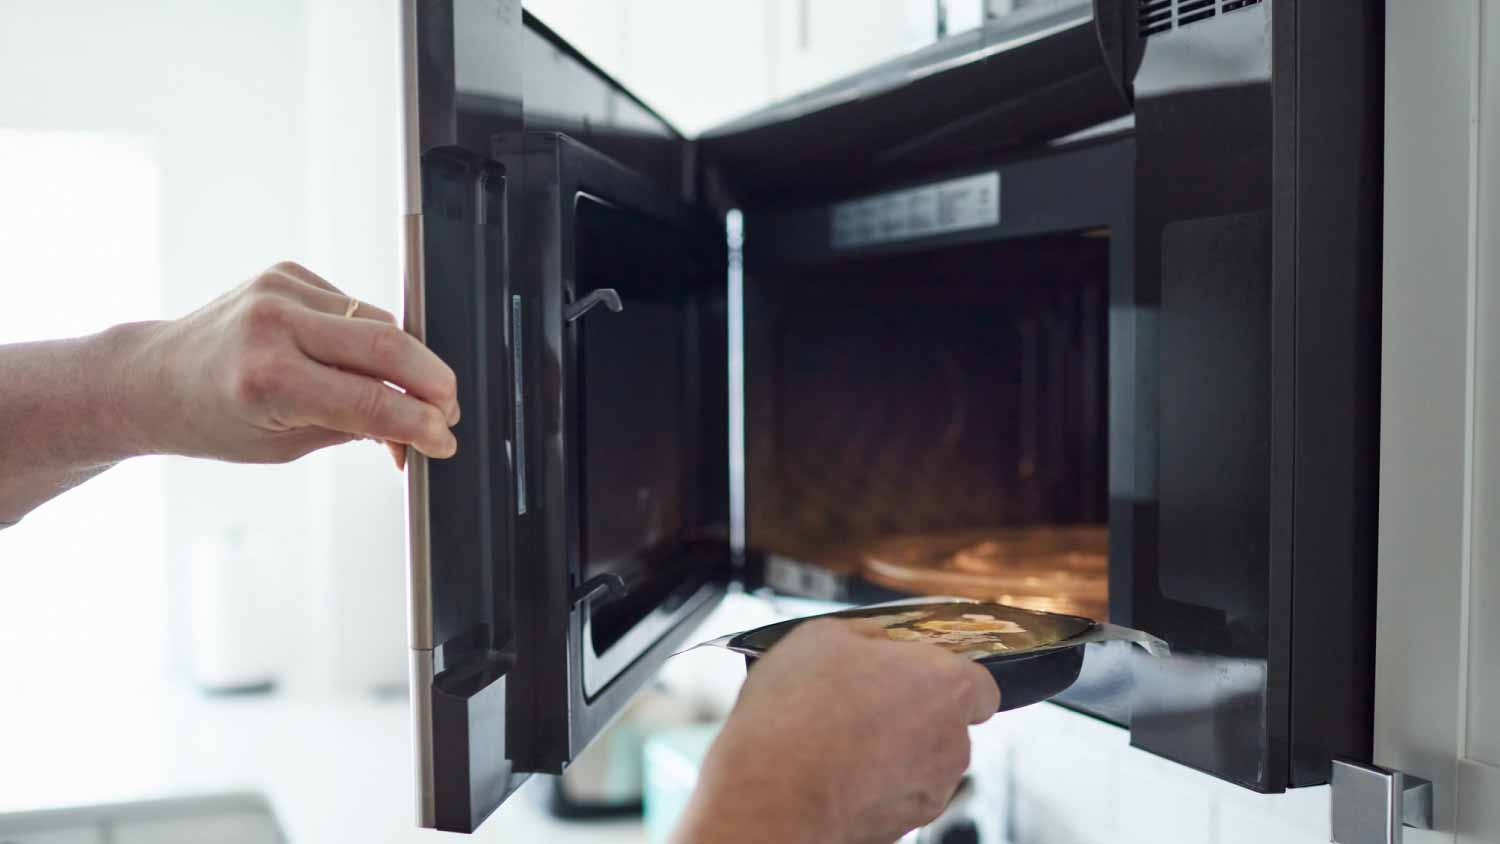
point(1074, 780)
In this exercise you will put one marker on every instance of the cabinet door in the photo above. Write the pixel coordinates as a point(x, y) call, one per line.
point(1437, 708)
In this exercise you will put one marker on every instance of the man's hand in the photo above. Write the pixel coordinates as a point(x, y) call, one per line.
point(840, 736)
point(273, 370)
point(264, 374)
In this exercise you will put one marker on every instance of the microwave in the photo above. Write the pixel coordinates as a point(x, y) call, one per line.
point(1077, 310)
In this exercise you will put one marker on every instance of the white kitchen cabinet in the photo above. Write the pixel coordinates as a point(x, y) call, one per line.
point(1437, 707)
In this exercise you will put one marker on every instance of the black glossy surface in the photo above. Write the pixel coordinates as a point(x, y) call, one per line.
point(1215, 418)
point(467, 211)
point(474, 100)
point(943, 111)
point(461, 310)
point(468, 713)
point(567, 93)
point(1258, 214)
point(643, 469)
point(1338, 162)
point(560, 717)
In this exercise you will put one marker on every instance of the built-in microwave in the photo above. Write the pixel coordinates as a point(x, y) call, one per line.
point(1077, 310)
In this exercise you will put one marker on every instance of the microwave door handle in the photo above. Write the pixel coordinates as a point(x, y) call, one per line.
point(606, 296)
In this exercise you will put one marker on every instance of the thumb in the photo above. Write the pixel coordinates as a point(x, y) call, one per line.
point(980, 695)
point(868, 628)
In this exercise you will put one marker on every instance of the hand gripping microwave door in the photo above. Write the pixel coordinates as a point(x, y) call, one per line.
point(1086, 293)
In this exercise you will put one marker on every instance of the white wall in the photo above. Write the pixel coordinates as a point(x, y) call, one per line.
point(353, 171)
point(60, 189)
point(215, 94)
point(273, 126)
point(1056, 777)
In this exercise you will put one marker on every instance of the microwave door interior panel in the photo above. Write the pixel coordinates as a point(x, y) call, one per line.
point(1072, 311)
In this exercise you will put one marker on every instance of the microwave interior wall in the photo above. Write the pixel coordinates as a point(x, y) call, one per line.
point(952, 414)
point(935, 413)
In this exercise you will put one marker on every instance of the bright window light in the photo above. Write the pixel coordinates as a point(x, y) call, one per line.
point(81, 578)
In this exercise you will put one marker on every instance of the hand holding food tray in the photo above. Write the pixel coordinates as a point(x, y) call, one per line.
point(1032, 655)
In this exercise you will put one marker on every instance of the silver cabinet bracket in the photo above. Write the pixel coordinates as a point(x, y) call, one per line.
point(1372, 805)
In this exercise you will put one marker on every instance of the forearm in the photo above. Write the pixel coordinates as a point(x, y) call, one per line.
point(721, 818)
point(744, 797)
point(69, 409)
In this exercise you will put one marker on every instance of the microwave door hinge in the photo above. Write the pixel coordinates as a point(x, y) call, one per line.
point(606, 296)
point(1373, 805)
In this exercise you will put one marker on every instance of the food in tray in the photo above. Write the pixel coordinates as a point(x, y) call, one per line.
point(972, 629)
point(973, 634)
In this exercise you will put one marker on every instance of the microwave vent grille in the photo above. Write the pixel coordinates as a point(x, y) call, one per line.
point(1157, 16)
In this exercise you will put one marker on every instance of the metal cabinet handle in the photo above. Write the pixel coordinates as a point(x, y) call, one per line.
point(606, 296)
point(1372, 805)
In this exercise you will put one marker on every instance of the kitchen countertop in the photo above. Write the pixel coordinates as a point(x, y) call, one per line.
point(333, 770)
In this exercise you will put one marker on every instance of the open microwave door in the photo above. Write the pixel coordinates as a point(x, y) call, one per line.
point(581, 530)
point(565, 253)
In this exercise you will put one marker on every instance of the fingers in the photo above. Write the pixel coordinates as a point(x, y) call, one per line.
point(381, 351)
point(314, 395)
point(978, 695)
point(301, 441)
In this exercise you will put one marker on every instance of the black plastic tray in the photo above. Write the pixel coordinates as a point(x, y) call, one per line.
point(1024, 676)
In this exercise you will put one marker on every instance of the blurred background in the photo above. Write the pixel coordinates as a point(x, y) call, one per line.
point(152, 156)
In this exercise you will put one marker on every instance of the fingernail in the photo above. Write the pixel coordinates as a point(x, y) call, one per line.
point(450, 448)
point(453, 415)
point(398, 455)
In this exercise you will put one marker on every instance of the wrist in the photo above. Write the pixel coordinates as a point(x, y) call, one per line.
point(127, 388)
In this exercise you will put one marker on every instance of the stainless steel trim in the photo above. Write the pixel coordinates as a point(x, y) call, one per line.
point(420, 665)
point(418, 538)
point(734, 231)
point(418, 541)
point(1373, 805)
point(600, 668)
point(518, 361)
point(411, 130)
point(1115, 126)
